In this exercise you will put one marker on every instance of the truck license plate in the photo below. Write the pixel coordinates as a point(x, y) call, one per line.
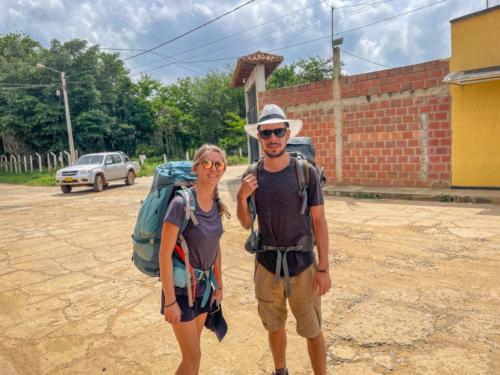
point(68, 179)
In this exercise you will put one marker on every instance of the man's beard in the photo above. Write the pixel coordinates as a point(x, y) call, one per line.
point(275, 155)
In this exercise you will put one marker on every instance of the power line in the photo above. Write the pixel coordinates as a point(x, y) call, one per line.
point(359, 27)
point(190, 31)
point(227, 37)
point(248, 29)
point(365, 59)
point(364, 5)
point(322, 37)
point(26, 85)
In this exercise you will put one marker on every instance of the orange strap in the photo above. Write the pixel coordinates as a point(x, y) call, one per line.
point(180, 253)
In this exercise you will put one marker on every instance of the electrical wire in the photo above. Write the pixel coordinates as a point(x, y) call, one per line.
point(365, 5)
point(316, 39)
point(365, 59)
point(190, 31)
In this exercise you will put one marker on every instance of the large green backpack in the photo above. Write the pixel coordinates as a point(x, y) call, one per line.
point(168, 180)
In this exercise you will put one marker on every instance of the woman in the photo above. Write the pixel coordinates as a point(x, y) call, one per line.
point(204, 254)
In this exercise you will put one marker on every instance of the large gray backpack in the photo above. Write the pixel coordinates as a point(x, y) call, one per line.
point(303, 148)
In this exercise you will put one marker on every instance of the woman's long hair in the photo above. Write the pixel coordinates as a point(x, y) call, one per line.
point(198, 157)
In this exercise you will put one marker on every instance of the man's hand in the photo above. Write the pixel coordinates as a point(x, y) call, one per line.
point(248, 186)
point(322, 282)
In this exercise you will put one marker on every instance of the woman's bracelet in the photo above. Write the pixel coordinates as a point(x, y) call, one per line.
point(171, 304)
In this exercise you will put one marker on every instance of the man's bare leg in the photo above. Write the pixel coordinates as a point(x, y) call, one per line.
point(277, 343)
point(317, 354)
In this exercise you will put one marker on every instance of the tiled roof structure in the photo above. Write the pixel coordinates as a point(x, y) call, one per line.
point(246, 64)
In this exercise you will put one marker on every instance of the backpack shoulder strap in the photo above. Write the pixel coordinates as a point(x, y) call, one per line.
point(302, 172)
point(252, 169)
point(189, 207)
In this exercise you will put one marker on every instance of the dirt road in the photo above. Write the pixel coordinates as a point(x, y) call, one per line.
point(416, 289)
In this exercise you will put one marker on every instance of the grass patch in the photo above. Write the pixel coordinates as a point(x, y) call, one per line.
point(149, 166)
point(366, 196)
point(446, 198)
point(47, 178)
point(44, 178)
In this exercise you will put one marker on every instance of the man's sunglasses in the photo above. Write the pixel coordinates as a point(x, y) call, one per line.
point(266, 134)
point(208, 164)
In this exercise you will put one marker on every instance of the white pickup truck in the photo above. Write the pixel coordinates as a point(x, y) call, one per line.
point(97, 170)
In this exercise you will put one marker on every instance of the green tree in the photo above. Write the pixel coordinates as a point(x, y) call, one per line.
point(108, 111)
point(302, 71)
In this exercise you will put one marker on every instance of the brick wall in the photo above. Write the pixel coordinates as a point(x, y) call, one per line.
point(396, 125)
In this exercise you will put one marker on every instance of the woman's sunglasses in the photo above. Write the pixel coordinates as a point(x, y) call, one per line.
point(266, 134)
point(208, 164)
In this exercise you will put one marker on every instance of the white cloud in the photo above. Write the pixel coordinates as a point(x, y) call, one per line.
point(416, 37)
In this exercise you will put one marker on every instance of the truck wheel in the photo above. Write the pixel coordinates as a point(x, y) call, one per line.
point(66, 189)
point(130, 178)
point(98, 184)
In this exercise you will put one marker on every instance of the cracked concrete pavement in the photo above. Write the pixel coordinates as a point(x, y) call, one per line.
point(415, 289)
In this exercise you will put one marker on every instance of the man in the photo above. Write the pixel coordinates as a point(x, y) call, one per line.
point(285, 262)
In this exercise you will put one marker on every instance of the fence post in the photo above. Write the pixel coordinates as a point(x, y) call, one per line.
point(76, 155)
point(164, 158)
point(5, 162)
point(241, 152)
point(25, 163)
point(49, 164)
point(31, 163)
point(61, 160)
point(13, 161)
point(69, 157)
point(142, 157)
point(17, 161)
point(19, 164)
point(55, 159)
point(187, 155)
point(39, 161)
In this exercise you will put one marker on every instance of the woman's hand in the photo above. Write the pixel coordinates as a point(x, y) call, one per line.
point(172, 313)
point(216, 296)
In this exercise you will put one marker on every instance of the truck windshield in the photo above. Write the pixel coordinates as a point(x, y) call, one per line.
point(90, 159)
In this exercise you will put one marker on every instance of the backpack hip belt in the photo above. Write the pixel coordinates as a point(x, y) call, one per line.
point(188, 277)
point(305, 244)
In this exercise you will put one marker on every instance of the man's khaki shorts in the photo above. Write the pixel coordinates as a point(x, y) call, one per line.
point(304, 302)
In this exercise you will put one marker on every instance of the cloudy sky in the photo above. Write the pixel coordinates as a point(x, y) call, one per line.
point(292, 28)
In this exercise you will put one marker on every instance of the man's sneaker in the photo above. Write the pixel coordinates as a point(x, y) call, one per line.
point(281, 371)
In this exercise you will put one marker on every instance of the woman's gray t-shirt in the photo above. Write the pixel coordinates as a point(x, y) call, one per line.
point(203, 240)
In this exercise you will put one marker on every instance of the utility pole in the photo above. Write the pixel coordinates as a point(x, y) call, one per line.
point(68, 119)
point(66, 110)
point(337, 105)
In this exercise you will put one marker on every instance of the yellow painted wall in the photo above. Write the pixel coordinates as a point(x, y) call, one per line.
point(476, 134)
point(475, 158)
point(475, 41)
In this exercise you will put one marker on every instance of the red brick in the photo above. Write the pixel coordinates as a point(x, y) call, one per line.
point(396, 103)
point(413, 143)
